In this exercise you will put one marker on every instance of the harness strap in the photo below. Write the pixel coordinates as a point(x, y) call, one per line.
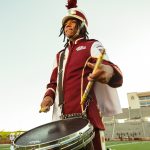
point(60, 89)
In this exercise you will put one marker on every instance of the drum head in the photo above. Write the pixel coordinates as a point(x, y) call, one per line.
point(50, 132)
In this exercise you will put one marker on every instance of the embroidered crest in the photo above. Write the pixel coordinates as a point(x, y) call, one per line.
point(80, 48)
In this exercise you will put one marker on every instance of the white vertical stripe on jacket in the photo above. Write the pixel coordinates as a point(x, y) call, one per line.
point(56, 108)
point(107, 97)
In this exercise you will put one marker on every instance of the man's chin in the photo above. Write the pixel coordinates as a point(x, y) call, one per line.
point(70, 36)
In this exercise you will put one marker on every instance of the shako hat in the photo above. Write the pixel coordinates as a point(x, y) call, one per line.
point(74, 12)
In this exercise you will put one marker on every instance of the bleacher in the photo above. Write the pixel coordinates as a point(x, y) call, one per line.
point(131, 124)
point(109, 128)
point(135, 113)
point(145, 111)
point(147, 128)
point(108, 119)
point(123, 115)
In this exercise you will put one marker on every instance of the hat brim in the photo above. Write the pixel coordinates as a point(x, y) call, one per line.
point(71, 17)
point(66, 18)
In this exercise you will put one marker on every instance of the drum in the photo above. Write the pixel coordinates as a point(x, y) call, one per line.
point(67, 134)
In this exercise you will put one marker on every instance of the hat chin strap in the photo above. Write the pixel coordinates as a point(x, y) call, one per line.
point(78, 32)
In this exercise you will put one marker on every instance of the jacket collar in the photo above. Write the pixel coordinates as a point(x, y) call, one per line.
point(76, 41)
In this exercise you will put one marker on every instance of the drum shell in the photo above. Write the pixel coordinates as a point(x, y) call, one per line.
point(75, 133)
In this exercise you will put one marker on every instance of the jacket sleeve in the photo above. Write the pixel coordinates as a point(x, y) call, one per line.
point(117, 78)
point(52, 85)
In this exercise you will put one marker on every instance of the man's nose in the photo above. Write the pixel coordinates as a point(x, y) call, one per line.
point(68, 24)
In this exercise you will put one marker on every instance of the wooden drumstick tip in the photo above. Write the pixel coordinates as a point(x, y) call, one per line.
point(43, 109)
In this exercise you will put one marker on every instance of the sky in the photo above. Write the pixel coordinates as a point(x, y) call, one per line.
point(29, 40)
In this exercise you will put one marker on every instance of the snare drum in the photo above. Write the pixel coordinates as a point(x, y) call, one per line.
point(68, 134)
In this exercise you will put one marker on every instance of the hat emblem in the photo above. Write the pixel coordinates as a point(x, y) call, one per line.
point(72, 12)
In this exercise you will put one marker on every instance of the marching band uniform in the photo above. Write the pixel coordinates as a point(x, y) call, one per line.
point(104, 99)
point(73, 79)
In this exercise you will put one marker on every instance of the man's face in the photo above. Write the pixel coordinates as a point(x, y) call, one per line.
point(70, 28)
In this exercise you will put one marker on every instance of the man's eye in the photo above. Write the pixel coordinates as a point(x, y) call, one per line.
point(74, 21)
point(70, 22)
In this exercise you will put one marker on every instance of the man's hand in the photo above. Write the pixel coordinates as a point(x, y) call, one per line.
point(103, 74)
point(46, 103)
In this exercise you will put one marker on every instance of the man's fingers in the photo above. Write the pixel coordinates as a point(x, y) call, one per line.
point(46, 103)
point(102, 74)
point(90, 65)
point(91, 77)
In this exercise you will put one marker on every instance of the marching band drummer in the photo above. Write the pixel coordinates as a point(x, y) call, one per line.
point(73, 71)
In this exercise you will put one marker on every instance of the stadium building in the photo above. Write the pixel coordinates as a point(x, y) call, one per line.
point(134, 122)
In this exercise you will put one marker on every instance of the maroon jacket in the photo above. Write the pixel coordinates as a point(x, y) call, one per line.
point(75, 59)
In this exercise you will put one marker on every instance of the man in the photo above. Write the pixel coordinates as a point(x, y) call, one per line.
point(79, 59)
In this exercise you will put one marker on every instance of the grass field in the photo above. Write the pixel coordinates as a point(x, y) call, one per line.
point(4, 147)
point(129, 145)
point(126, 145)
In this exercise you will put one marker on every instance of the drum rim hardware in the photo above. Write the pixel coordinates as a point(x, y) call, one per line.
point(78, 139)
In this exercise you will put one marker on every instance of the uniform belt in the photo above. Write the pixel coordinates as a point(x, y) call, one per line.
point(74, 115)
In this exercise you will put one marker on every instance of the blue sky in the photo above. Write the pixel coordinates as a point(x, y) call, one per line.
point(29, 40)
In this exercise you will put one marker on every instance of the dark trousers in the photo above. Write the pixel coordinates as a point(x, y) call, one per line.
point(97, 140)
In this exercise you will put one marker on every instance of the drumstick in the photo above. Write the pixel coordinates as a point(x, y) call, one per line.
point(43, 109)
point(90, 83)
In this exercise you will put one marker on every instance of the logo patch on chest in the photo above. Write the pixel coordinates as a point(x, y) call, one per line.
point(80, 48)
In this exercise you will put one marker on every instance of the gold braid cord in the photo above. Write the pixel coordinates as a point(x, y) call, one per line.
point(90, 83)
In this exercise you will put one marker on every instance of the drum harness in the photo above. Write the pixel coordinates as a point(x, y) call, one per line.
point(86, 98)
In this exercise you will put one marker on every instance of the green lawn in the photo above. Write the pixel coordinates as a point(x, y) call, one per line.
point(4, 147)
point(125, 145)
point(129, 145)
